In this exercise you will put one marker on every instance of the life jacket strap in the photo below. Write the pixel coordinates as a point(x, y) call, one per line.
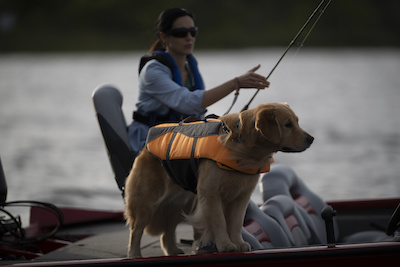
point(155, 119)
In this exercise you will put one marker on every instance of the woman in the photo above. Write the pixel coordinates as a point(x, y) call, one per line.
point(170, 85)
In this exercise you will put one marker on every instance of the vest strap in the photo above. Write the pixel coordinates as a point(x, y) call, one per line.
point(151, 121)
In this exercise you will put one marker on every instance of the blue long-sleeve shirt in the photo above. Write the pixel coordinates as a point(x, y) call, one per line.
point(158, 92)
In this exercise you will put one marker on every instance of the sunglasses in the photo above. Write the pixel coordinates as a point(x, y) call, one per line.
point(182, 32)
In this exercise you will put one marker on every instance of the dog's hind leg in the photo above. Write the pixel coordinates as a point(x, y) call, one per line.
point(138, 214)
point(169, 214)
point(142, 191)
point(136, 232)
point(168, 240)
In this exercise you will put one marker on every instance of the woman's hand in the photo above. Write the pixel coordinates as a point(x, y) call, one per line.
point(248, 80)
point(252, 80)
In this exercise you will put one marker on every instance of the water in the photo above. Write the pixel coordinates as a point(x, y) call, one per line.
point(52, 150)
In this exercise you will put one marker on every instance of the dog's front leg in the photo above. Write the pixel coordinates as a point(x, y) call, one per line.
point(210, 217)
point(236, 210)
point(235, 216)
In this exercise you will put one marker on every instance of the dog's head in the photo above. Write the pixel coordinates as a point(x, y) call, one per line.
point(271, 126)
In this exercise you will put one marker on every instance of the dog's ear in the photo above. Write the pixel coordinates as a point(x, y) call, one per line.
point(267, 124)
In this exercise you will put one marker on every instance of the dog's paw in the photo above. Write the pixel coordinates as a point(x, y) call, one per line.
point(243, 246)
point(174, 251)
point(134, 254)
point(227, 247)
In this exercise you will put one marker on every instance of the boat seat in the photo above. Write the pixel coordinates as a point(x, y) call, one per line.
point(107, 101)
point(262, 231)
point(283, 180)
point(249, 238)
point(297, 225)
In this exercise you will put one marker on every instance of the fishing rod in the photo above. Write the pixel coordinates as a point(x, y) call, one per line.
point(321, 7)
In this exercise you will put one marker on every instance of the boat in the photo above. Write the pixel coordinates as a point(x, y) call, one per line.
point(99, 238)
point(293, 226)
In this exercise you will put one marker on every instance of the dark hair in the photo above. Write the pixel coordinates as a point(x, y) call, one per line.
point(165, 21)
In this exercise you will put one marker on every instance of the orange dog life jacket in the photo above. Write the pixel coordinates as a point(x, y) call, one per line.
point(179, 146)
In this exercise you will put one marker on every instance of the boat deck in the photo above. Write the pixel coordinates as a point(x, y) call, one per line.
point(110, 240)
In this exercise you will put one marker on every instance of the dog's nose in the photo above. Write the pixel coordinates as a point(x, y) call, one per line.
point(310, 139)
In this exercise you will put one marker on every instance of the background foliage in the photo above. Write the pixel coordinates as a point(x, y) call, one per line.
point(120, 25)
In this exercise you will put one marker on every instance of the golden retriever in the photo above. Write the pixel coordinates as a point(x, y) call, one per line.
point(156, 204)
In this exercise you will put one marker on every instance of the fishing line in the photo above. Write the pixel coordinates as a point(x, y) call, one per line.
point(285, 68)
point(299, 45)
point(321, 8)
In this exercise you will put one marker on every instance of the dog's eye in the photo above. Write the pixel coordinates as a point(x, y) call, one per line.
point(289, 125)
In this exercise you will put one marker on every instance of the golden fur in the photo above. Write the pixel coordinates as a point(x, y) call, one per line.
point(156, 204)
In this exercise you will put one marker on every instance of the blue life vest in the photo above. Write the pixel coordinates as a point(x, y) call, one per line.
point(154, 118)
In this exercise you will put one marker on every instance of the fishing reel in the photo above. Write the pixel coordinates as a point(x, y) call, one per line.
point(11, 228)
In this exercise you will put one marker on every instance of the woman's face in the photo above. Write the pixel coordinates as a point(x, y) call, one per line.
point(179, 45)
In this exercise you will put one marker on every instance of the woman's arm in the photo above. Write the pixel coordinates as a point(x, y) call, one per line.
point(155, 80)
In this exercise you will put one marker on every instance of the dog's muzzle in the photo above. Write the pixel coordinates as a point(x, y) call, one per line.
point(307, 143)
point(309, 140)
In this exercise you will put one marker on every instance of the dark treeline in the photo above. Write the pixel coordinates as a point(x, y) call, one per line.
point(118, 25)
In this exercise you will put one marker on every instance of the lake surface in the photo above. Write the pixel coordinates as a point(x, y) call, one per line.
point(348, 99)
